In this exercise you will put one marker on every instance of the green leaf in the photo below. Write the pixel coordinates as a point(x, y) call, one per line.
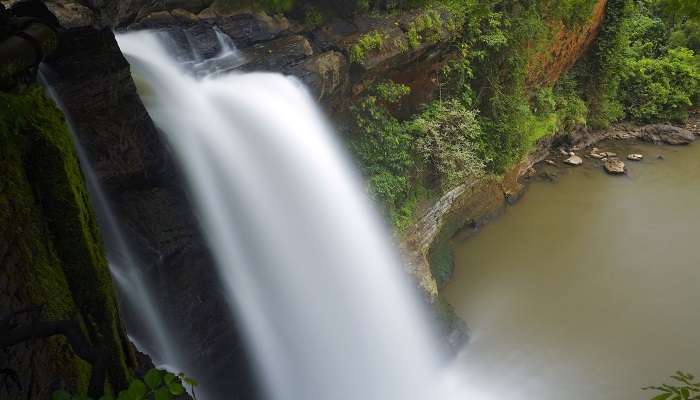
point(176, 389)
point(137, 389)
point(153, 378)
point(662, 396)
point(60, 395)
point(123, 395)
point(169, 378)
point(162, 394)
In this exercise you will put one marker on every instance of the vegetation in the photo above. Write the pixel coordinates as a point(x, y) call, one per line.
point(643, 67)
point(425, 28)
point(156, 385)
point(45, 213)
point(448, 141)
point(367, 43)
point(682, 389)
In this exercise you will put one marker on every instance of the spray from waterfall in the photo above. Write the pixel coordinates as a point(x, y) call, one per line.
point(307, 265)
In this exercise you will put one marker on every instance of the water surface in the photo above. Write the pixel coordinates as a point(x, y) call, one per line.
point(588, 288)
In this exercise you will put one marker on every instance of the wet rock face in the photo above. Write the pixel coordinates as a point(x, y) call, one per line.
point(95, 85)
point(134, 167)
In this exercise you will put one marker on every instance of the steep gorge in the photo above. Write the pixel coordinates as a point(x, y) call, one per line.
point(93, 80)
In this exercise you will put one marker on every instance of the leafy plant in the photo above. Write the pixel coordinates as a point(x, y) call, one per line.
point(682, 389)
point(383, 148)
point(371, 41)
point(448, 137)
point(425, 28)
point(156, 385)
point(661, 88)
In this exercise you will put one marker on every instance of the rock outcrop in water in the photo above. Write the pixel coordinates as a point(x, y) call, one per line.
point(669, 134)
point(614, 166)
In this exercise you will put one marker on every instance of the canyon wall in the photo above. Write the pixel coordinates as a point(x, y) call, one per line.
point(135, 168)
point(52, 266)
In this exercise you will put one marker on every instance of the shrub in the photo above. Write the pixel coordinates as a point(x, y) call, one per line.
point(383, 149)
point(661, 88)
point(601, 71)
point(371, 41)
point(448, 137)
point(425, 28)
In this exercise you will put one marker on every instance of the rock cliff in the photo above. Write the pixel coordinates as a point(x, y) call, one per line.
point(52, 265)
point(135, 168)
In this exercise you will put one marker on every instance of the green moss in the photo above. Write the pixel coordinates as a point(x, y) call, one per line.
point(369, 42)
point(59, 241)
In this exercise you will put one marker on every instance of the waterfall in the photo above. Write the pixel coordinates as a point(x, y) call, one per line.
point(140, 311)
point(307, 265)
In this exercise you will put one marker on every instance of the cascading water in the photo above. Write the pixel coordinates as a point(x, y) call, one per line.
point(306, 264)
point(147, 329)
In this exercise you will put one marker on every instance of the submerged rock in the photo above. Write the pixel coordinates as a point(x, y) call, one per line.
point(614, 166)
point(574, 160)
point(635, 157)
point(548, 176)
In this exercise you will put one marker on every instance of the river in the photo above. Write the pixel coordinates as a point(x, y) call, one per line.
point(588, 288)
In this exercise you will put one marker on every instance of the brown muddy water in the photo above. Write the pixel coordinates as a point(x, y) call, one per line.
point(588, 288)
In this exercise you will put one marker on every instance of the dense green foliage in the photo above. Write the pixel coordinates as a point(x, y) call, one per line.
point(640, 68)
point(643, 67)
point(448, 141)
point(156, 385)
point(384, 149)
point(440, 147)
point(493, 104)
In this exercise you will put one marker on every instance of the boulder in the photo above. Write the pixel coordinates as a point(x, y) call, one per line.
point(614, 166)
point(664, 133)
point(277, 54)
point(324, 73)
point(635, 157)
point(248, 29)
point(574, 160)
point(71, 14)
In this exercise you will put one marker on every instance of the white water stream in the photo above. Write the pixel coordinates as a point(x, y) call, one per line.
point(307, 265)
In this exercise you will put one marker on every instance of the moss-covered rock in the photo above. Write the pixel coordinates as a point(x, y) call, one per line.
point(52, 254)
